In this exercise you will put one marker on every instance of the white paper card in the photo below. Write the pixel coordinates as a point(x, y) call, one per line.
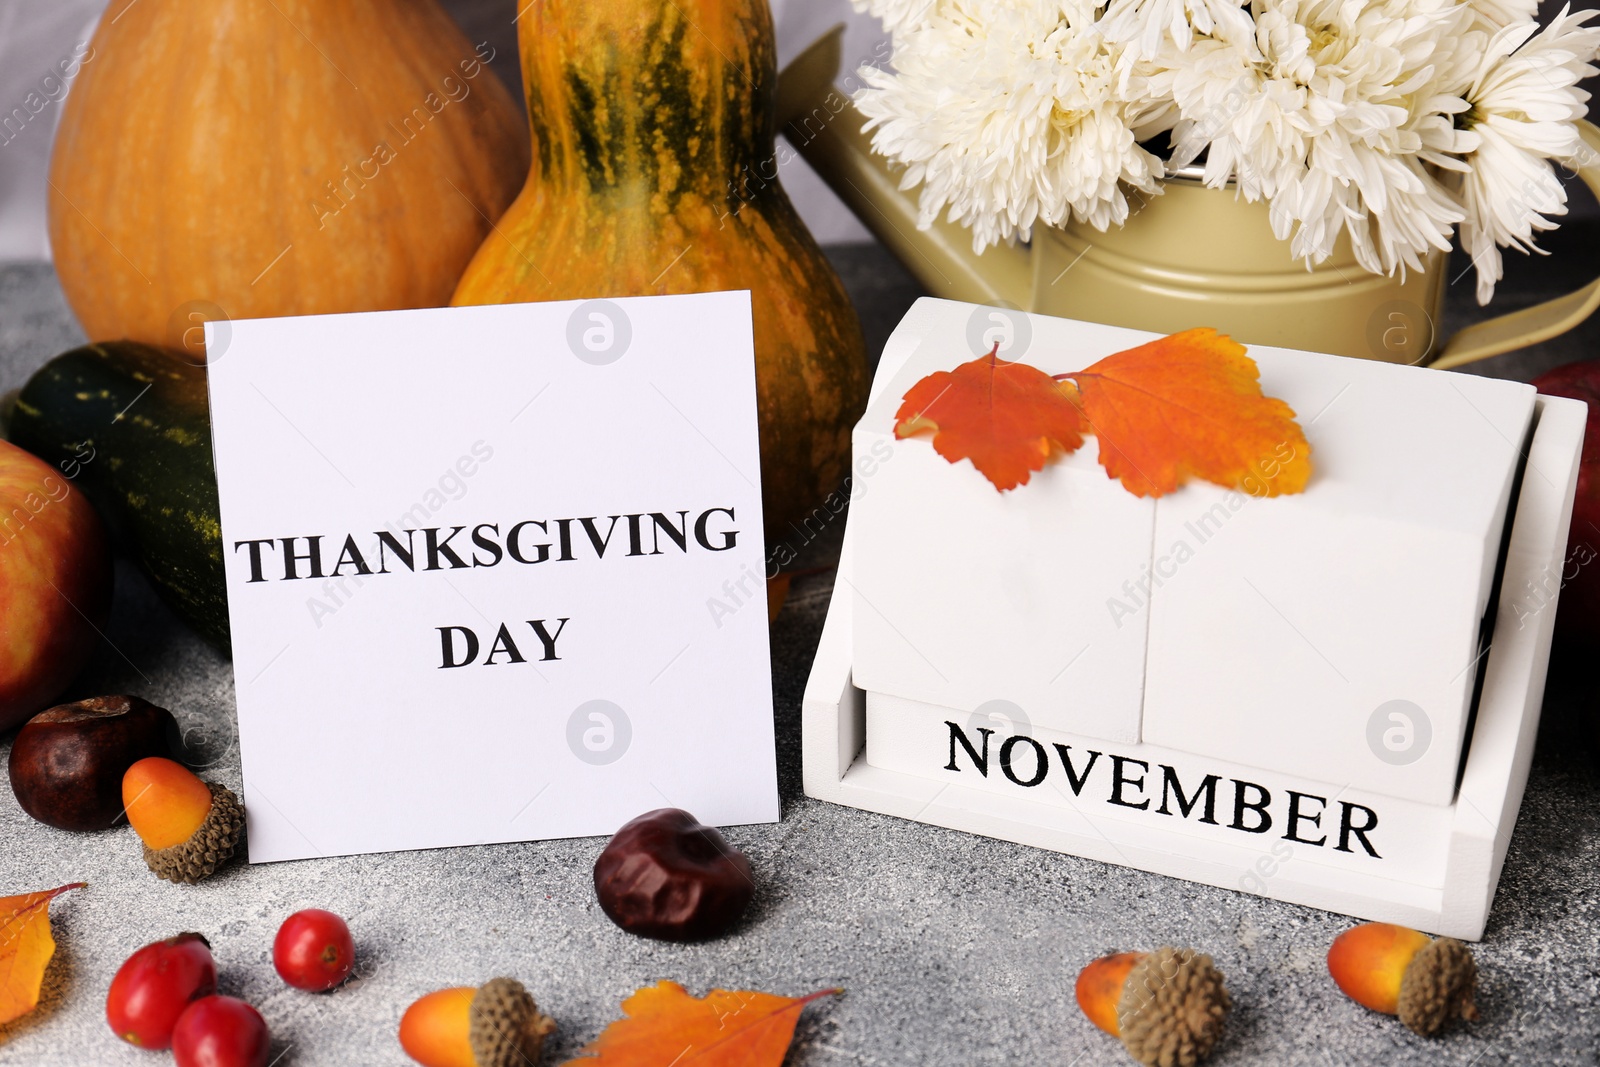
point(476, 476)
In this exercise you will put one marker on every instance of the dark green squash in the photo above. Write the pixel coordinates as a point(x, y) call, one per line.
point(130, 425)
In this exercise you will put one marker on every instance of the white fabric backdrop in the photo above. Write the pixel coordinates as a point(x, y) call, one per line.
point(34, 36)
point(37, 35)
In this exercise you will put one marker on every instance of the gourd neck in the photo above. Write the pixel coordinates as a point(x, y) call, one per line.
point(664, 97)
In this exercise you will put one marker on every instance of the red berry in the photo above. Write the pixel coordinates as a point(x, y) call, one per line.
point(313, 950)
point(221, 1032)
point(154, 987)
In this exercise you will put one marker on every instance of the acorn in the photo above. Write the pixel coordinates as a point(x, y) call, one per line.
point(1167, 1006)
point(189, 827)
point(494, 1025)
point(1404, 972)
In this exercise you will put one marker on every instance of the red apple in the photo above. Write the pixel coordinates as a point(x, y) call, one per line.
point(55, 584)
point(1578, 610)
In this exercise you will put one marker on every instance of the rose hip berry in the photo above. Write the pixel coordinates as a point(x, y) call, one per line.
point(221, 1032)
point(154, 987)
point(313, 950)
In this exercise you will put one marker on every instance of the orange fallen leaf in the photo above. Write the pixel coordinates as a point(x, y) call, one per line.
point(663, 1025)
point(1007, 418)
point(1190, 406)
point(25, 949)
point(1181, 407)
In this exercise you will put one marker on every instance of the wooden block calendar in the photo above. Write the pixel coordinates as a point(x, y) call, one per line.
point(1328, 698)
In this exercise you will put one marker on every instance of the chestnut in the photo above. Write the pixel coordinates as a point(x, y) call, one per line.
point(665, 876)
point(67, 762)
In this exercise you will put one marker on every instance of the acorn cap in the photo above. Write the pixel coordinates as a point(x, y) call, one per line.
point(207, 848)
point(507, 1028)
point(1437, 986)
point(1172, 1008)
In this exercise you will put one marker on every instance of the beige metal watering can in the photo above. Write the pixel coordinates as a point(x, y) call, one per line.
point(1192, 256)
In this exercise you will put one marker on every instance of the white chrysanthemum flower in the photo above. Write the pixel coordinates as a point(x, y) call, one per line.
point(1439, 109)
point(1498, 14)
point(1329, 122)
point(899, 16)
point(1151, 24)
point(1524, 101)
point(1013, 114)
point(1390, 121)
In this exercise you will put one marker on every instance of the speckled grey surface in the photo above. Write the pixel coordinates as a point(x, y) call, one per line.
point(953, 949)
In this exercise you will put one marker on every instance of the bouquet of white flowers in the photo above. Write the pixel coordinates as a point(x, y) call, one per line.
point(1391, 120)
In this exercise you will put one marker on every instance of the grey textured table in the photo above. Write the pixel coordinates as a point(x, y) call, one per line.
point(953, 949)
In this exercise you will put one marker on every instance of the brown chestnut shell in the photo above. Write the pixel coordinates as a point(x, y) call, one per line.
point(666, 876)
point(67, 762)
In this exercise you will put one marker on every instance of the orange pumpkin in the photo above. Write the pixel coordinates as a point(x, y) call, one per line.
point(655, 173)
point(246, 158)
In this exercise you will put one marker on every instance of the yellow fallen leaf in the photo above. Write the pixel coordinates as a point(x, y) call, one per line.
point(25, 949)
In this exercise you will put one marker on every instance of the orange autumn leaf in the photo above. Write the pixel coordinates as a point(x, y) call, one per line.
point(25, 949)
point(663, 1025)
point(1190, 406)
point(1007, 418)
point(1181, 407)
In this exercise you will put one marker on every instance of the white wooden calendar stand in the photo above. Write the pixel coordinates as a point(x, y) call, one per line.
point(1168, 751)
